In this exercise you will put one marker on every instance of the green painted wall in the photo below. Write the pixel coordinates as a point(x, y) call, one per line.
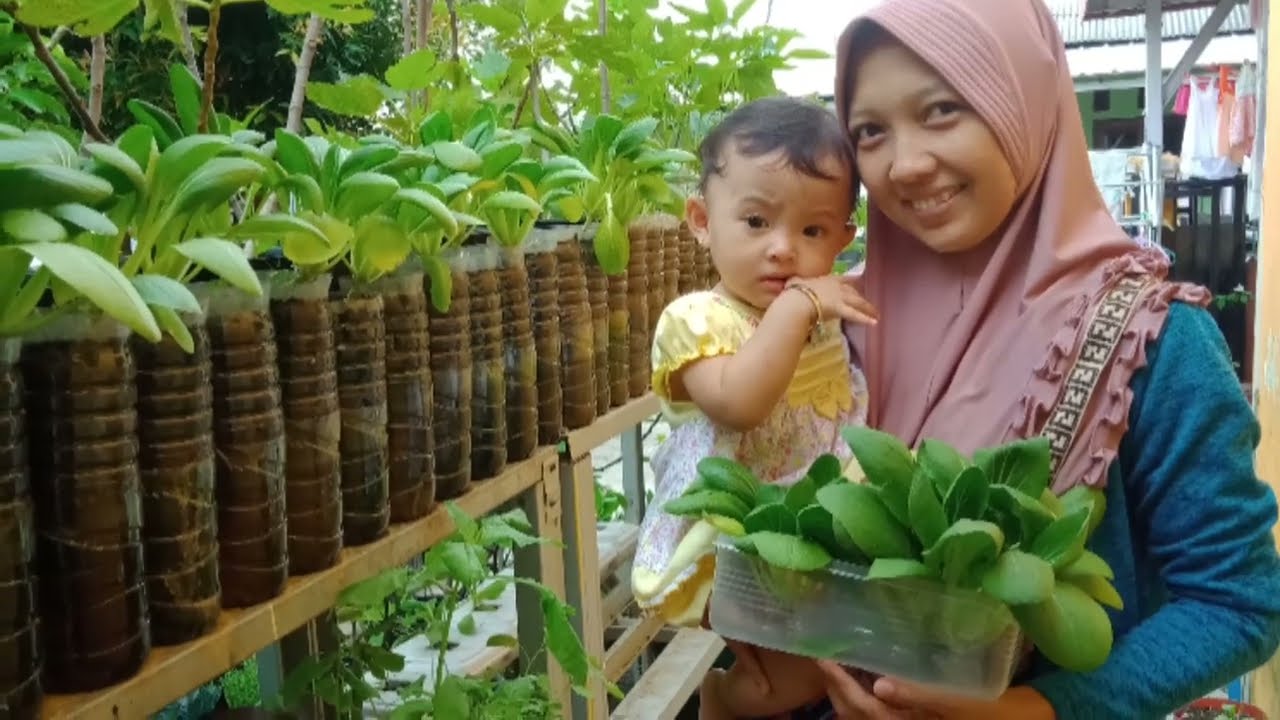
point(1124, 104)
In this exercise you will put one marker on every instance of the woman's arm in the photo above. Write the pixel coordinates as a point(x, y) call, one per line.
point(1198, 514)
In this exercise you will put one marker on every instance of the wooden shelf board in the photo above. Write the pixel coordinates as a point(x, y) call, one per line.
point(611, 424)
point(172, 672)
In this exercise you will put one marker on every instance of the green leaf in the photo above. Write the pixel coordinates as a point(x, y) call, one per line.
point(774, 517)
point(451, 701)
point(808, 54)
point(24, 225)
point(1090, 499)
point(928, 518)
point(631, 138)
point(507, 641)
point(1019, 578)
point(1033, 517)
point(563, 643)
point(801, 494)
point(1023, 464)
point(362, 193)
point(492, 16)
point(1089, 564)
point(358, 96)
point(381, 246)
point(968, 495)
point(294, 155)
point(467, 625)
point(437, 127)
point(85, 218)
point(187, 156)
point(789, 552)
point(511, 200)
point(498, 157)
point(412, 72)
point(650, 159)
point(611, 246)
point(171, 324)
point(883, 457)
point(440, 282)
point(862, 514)
point(161, 123)
point(817, 525)
point(825, 469)
point(87, 19)
point(157, 290)
point(1062, 542)
point(368, 157)
point(1070, 629)
point(965, 551)
point(893, 568)
point(35, 186)
point(456, 156)
point(941, 463)
point(186, 97)
point(347, 12)
point(100, 282)
point(538, 12)
point(224, 259)
point(124, 174)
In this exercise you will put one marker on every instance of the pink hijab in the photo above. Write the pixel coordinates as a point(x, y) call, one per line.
point(973, 348)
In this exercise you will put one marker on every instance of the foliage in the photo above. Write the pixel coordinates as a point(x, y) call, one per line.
point(988, 523)
point(444, 596)
point(29, 97)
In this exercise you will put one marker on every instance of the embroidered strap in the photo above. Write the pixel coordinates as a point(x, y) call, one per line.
point(1103, 336)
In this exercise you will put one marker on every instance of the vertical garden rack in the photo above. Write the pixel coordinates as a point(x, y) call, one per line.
point(556, 487)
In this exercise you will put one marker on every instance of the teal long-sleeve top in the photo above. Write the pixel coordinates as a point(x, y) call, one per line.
point(1188, 532)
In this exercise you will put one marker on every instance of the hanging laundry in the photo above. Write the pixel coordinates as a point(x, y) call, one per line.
point(1244, 117)
point(1182, 98)
point(1200, 157)
point(1226, 111)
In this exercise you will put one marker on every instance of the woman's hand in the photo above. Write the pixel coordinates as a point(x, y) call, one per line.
point(893, 699)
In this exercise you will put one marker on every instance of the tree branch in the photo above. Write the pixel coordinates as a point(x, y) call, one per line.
point(452, 5)
point(56, 37)
point(210, 65)
point(406, 26)
point(64, 84)
point(298, 97)
point(425, 11)
point(606, 92)
point(97, 76)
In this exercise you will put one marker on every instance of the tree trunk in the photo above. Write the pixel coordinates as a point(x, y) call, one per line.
point(97, 75)
point(406, 27)
point(298, 98)
point(425, 9)
point(64, 84)
point(606, 93)
point(188, 45)
point(210, 65)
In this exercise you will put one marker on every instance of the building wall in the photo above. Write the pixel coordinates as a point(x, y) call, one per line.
point(1266, 374)
point(1124, 104)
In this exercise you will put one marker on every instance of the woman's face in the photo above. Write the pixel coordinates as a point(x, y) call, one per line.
point(928, 161)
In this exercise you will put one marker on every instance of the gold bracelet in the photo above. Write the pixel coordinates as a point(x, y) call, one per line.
point(813, 298)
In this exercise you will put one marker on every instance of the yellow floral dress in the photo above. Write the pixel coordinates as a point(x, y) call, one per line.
point(674, 563)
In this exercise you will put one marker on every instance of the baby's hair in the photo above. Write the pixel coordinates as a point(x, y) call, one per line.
point(806, 134)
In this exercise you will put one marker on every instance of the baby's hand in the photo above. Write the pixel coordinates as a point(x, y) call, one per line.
point(838, 296)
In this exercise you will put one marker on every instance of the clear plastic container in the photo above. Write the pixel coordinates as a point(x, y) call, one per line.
point(955, 640)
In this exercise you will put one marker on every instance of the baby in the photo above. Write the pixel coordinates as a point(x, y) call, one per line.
point(755, 369)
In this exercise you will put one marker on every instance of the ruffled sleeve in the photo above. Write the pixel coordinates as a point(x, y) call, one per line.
point(694, 326)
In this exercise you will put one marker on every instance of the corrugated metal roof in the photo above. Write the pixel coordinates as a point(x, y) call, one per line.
point(1110, 8)
point(1177, 24)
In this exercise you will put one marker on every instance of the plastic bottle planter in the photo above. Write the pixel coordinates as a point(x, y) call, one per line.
point(657, 279)
point(176, 467)
point(577, 361)
point(20, 692)
point(488, 370)
point(410, 444)
point(619, 339)
point(544, 300)
point(450, 338)
point(638, 310)
point(670, 261)
point(360, 351)
point(249, 443)
point(690, 272)
point(598, 299)
point(519, 355)
point(312, 420)
point(80, 392)
point(960, 641)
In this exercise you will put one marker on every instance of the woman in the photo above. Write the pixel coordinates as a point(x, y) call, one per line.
point(990, 253)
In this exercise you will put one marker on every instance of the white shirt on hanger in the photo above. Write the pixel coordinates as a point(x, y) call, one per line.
point(1200, 156)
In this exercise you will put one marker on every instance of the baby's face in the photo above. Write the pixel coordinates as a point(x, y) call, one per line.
point(766, 222)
